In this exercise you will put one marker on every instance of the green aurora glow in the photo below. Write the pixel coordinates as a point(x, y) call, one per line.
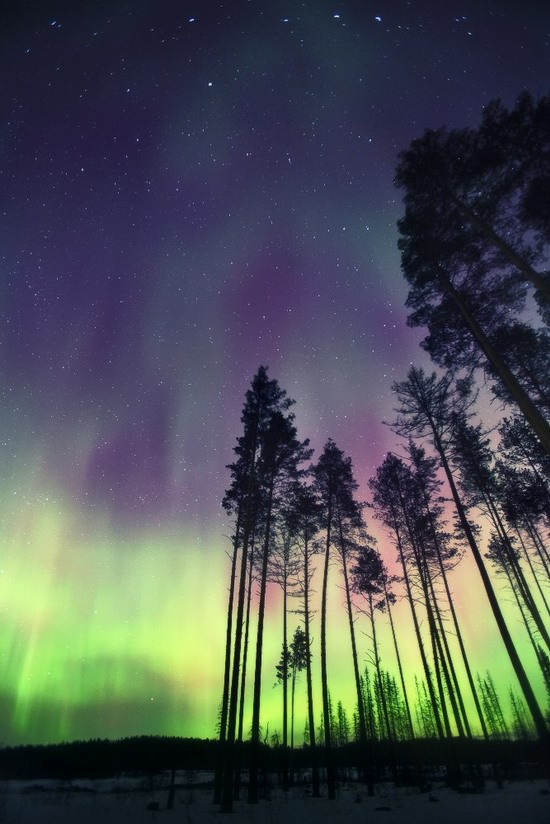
point(104, 638)
point(186, 197)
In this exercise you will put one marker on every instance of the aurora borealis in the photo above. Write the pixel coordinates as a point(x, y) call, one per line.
point(189, 190)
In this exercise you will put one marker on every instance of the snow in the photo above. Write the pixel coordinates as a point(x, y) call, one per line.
point(143, 800)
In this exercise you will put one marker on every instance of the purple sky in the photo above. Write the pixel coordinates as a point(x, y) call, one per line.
point(192, 189)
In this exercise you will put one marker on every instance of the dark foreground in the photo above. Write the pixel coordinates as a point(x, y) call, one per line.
point(139, 800)
point(148, 779)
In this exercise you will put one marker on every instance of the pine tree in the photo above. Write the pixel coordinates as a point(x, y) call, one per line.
point(368, 576)
point(335, 486)
point(342, 726)
point(395, 503)
point(428, 406)
point(468, 252)
point(445, 556)
point(280, 456)
point(522, 726)
point(472, 455)
point(283, 570)
point(305, 513)
point(263, 401)
point(298, 662)
point(493, 711)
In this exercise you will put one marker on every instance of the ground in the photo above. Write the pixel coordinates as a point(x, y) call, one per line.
point(126, 800)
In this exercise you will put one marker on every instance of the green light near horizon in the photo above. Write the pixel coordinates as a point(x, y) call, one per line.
point(110, 636)
point(87, 621)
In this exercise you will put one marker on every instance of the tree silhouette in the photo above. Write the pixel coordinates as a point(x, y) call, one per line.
point(466, 253)
point(523, 509)
point(306, 512)
point(428, 407)
point(279, 458)
point(503, 557)
point(368, 579)
point(426, 545)
point(246, 644)
point(283, 570)
point(521, 723)
point(492, 707)
point(389, 599)
point(484, 188)
point(398, 714)
point(325, 477)
point(263, 400)
point(522, 451)
point(368, 703)
point(393, 490)
point(227, 665)
point(425, 711)
point(298, 662)
point(283, 515)
point(527, 354)
point(429, 486)
point(342, 726)
point(335, 486)
point(472, 455)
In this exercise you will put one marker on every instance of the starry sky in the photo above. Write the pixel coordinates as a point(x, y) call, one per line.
point(190, 189)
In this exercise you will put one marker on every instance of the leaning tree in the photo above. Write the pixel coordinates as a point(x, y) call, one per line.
point(470, 252)
point(427, 409)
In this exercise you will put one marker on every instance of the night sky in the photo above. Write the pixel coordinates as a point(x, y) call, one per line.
point(190, 189)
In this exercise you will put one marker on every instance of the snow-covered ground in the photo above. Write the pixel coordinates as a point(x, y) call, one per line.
point(125, 800)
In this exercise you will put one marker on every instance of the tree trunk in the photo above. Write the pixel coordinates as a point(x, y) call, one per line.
point(285, 684)
point(360, 707)
point(533, 571)
point(453, 687)
point(227, 789)
point(420, 642)
point(218, 775)
point(521, 675)
point(522, 612)
point(523, 586)
point(539, 545)
point(293, 690)
point(399, 666)
point(238, 748)
point(531, 413)
point(310, 714)
point(437, 652)
point(255, 733)
point(381, 689)
point(331, 779)
point(458, 632)
point(438, 659)
point(535, 278)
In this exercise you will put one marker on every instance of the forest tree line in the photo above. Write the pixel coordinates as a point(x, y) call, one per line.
point(474, 241)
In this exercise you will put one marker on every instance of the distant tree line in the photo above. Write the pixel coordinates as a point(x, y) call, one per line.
point(102, 758)
point(474, 240)
point(195, 759)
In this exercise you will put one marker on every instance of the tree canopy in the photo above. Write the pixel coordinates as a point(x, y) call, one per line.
point(475, 240)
